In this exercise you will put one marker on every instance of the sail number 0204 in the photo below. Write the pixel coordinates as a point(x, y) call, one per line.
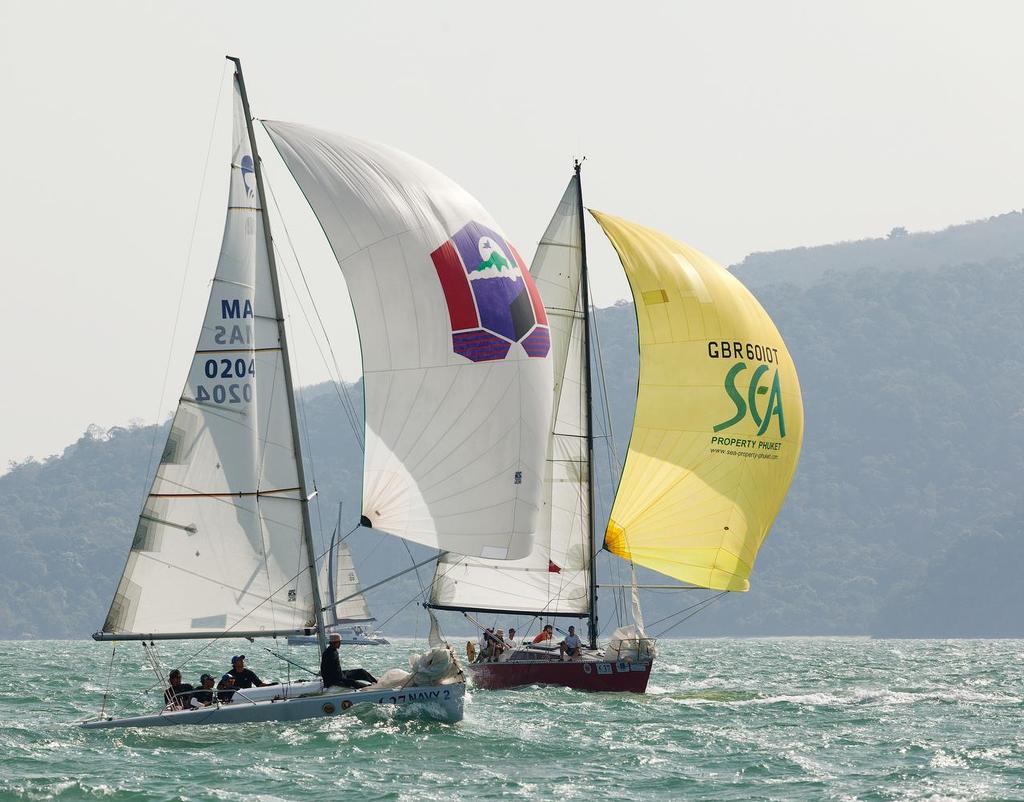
point(235, 393)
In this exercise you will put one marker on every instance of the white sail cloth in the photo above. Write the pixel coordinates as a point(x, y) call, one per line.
point(219, 543)
point(554, 578)
point(457, 376)
point(353, 609)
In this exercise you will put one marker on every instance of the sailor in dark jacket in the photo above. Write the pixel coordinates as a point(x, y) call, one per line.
point(245, 677)
point(178, 693)
point(330, 668)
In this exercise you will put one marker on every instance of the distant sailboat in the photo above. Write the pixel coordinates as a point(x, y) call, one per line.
point(348, 612)
point(715, 442)
point(454, 425)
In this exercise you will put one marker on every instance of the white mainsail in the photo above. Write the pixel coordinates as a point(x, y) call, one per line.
point(455, 346)
point(554, 579)
point(220, 541)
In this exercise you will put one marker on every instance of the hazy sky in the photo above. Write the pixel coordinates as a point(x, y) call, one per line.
point(735, 127)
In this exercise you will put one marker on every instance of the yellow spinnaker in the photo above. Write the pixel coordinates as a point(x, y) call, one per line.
point(719, 418)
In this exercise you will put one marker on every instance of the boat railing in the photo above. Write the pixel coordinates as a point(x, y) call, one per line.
point(183, 700)
point(644, 647)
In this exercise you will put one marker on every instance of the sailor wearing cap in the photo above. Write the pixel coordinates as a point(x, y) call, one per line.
point(244, 677)
point(330, 668)
point(226, 688)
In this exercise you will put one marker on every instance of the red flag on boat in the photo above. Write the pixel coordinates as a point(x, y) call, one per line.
point(553, 569)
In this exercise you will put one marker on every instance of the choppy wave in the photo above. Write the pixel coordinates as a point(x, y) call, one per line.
point(787, 719)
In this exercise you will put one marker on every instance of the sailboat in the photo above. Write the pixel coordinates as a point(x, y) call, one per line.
point(454, 424)
point(348, 612)
point(715, 442)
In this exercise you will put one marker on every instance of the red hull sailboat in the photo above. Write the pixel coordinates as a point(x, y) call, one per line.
point(522, 668)
point(715, 441)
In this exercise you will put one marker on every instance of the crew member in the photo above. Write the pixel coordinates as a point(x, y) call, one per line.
point(245, 677)
point(545, 634)
point(572, 645)
point(203, 695)
point(177, 694)
point(330, 668)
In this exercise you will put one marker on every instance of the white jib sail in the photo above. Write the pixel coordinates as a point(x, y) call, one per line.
point(555, 577)
point(455, 346)
point(352, 610)
point(219, 543)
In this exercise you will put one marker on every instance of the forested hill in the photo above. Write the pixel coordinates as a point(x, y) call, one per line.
point(905, 517)
point(977, 242)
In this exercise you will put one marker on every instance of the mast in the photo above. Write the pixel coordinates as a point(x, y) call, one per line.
point(307, 530)
point(584, 284)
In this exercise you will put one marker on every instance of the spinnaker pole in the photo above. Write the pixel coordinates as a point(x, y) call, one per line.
point(307, 529)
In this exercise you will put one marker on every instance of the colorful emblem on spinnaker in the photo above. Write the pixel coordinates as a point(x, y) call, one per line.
point(247, 170)
point(492, 301)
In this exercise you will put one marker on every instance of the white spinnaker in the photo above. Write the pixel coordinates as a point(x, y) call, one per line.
point(554, 578)
point(455, 444)
point(219, 543)
point(346, 583)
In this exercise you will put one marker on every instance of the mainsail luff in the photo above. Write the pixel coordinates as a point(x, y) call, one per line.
point(307, 529)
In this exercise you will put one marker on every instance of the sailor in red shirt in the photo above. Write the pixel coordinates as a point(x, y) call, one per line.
point(545, 634)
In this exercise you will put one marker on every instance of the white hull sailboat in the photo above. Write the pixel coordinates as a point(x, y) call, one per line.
point(442, 702)
point(453, 426)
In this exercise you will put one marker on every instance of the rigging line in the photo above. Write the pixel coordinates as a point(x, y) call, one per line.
point(106, 690)
point(343, 395)
point(304, 418)
point(220, 636)
point(690, 607)
point(184, 278)
point(707, 603)
point(437, 575)
point(345, 402)
point(416, 569)
point(604, 391)
point(286, 660)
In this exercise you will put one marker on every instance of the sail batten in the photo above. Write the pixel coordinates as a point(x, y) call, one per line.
point(719, 418)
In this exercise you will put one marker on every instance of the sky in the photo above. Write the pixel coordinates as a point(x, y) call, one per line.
point(734, 127)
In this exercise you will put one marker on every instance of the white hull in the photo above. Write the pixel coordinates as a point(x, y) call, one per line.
point(442, 701)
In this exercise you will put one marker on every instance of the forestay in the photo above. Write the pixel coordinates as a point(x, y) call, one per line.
point(554, 579)
point(455, 346)
point(719, 417)
point(219, 544)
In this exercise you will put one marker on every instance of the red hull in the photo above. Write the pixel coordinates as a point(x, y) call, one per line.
point(602, 676)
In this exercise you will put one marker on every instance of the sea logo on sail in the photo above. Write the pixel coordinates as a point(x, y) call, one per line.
point(492, 301)
point(247, 171)
point(761, 414)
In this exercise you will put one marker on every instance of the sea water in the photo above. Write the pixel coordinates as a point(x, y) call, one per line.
point(724, 719)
